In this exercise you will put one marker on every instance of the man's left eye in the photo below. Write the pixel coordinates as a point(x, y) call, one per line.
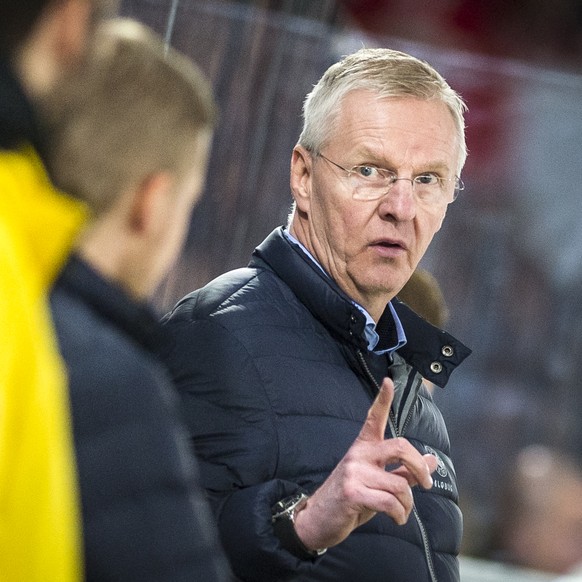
point(427, 179)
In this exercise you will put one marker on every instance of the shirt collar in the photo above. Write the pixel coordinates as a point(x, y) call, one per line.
point(394, 341)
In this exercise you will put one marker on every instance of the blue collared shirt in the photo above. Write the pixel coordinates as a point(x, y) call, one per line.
point(372, 336)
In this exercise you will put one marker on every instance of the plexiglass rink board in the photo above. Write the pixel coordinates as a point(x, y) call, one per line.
point(508, 256)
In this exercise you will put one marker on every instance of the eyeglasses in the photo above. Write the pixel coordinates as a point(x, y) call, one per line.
point(371, 183)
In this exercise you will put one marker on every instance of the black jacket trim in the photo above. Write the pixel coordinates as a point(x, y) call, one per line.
point(18, 121)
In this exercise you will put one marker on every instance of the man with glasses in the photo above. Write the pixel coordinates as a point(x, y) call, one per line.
point(301, 376)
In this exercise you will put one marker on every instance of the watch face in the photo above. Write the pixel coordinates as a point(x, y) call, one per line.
point(287, 505)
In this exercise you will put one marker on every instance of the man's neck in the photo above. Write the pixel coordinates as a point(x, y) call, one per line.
point(374, 308)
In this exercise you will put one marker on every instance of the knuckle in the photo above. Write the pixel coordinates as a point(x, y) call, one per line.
point(349, 491)
point(350, 466)
point(391, 505)
point(395, 510)
point(402, 446)
point(401, 486)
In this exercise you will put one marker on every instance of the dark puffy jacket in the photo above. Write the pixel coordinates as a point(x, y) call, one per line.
point(276, 382)
point(144, 514)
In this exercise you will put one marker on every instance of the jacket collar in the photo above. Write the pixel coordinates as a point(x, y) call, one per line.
point(320, 294)
point(431, 351)
point(18, 122)
point(111, 302)
point(43, 220)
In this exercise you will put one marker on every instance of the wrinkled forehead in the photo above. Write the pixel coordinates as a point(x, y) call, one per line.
point(370, 122)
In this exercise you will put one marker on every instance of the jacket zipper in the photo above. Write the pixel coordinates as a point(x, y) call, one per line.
point(409, 415)
point(392, 423)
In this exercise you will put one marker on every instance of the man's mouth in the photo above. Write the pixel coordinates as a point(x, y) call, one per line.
point(389, 244)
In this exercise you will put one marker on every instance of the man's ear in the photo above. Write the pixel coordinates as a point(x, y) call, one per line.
point(301, 166)
point(150, 202)
point(55, 47)
point(71, 20)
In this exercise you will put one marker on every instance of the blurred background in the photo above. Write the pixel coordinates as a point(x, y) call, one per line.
point(508, 258)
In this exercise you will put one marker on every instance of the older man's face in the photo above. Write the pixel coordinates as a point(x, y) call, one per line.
point(371, 247)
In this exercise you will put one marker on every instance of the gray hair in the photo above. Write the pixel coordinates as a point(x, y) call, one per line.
point(383, 71)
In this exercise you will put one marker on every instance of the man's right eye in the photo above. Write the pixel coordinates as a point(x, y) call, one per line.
point(367, 171)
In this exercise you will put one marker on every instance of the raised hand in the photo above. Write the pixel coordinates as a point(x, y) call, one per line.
point(360, 486)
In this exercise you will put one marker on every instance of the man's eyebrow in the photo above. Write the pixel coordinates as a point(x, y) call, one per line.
point(380, 160)
point(367, 155)
point(436, 165)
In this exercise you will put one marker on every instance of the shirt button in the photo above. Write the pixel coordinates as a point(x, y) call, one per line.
point(447, 351)
point(436, 367)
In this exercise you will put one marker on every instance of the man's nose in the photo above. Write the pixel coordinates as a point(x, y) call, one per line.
point(400, 201)
point(395, 180)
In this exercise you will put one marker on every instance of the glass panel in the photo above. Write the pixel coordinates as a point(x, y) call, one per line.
point(508, 256)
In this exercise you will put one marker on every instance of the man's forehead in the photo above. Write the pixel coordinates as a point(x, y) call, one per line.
point(371, 131)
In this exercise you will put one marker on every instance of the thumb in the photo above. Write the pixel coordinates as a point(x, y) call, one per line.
point(375, 426)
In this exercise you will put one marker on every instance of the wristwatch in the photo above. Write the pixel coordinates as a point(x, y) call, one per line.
point(283, 520)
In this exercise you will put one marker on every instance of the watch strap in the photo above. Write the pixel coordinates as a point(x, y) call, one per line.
point(283, 520)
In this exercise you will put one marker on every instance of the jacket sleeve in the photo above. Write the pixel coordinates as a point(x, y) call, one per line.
point(230, 419)
point(144, 511)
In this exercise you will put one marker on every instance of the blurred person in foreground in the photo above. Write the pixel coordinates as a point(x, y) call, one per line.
point(41, 43)
point(279, 364)
point(539, 521)
point(130, 135)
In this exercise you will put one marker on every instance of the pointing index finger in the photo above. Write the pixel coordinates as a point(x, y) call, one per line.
point(375, 426)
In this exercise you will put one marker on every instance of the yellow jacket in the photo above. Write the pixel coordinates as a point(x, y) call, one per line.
point(40, 537)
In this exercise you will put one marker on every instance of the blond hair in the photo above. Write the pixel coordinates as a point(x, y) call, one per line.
point(424, 295)
point(136, 108)
point(383, 71)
